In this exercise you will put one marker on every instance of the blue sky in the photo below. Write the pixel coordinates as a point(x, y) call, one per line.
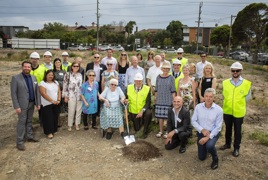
point(146, 13)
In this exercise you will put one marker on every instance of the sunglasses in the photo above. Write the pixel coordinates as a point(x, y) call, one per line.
point(109, 64)
point(235, 71)
point(113, 84)
point(75, 66)
point(202, 56)
point(123, 55)
point(91, 75)
point(96, 57)
point(179, 53)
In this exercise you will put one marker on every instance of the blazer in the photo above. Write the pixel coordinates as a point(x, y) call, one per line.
point(184, 125)
point(20, 92)
point(91, 66)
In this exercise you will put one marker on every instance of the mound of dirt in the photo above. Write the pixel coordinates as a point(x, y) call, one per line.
point(141, 151)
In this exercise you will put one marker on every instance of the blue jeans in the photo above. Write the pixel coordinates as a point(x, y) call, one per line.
point(209, 146)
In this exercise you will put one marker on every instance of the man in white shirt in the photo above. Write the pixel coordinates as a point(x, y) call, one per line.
point(153, 72)
point(200, 66)
point(133, 70)
point(109, 57)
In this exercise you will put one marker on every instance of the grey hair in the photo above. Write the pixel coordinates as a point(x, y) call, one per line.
point(90, 71)
point(210, 90)
point(113, 81)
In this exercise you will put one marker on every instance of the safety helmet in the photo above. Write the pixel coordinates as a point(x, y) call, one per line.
point(65, 54)
point(236, 65)
point(47, 53)
point(177, 62)
point(180, 50)
point(34, 55)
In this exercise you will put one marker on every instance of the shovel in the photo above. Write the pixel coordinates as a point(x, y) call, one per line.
point(128, 138)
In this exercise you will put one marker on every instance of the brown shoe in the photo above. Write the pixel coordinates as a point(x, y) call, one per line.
point(21, 147)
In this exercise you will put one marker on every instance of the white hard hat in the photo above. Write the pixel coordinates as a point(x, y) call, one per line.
point(47, 53)
point(177, 62)
point(180, 50)
point(236, 65)
point(65, 54)
point(138, 76)
point(34, 55)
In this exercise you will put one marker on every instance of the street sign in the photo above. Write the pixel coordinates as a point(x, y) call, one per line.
point(137, 41)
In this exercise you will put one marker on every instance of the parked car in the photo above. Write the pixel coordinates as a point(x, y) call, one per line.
point(199, 52)
point(220, 54)
point(72, 48)
point(171, 51)
point(263, 58)
point(88, 47)
point(118, 48)
point(240, 55)
point(81, 48)
point(141, 49)
point(104, 47)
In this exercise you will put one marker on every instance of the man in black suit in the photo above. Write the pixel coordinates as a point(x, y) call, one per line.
point(178, 126)
point(25, 94)
point(98, 68)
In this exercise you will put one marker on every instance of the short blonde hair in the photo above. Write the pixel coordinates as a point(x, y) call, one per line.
point(212, 69)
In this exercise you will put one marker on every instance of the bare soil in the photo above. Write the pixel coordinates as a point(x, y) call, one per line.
point(86, 155)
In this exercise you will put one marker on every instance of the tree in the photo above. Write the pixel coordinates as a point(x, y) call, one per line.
point(220, 36)
point(129, 27)
point(175, 29)
point(250, 25)
point(55, 26)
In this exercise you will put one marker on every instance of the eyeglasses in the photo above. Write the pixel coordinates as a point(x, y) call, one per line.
point(202, 56)
point(123, 55)
point(91, 75)
point(113, 85)
point(179, 53)
point(236, 71)
point(109, 64)
point(96, 57)
point(75, 66)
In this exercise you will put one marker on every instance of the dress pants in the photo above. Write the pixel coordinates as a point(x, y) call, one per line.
point(209, 146)
point(50, 114)
point(177, 139)
point(74, 108)
point(145, 120)
point(229, 121)
point(94, 117)
point(25, 123)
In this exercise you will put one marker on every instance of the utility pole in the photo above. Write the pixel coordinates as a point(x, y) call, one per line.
point(199, 18)
point(229, 42)
point(98, 17)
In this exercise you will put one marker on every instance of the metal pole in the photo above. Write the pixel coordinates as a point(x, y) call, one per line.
point(229, 42)
point(199, 18)
point(97, 42)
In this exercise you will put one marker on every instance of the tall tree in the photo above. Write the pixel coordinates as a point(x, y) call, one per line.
point(250, 24)
point(55, 26)
point(175, 29)
point(220, 36)
point(129, 27)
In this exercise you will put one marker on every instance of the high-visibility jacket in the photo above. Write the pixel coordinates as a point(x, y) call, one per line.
point(137, 100)
point(183, 61)
point(39, 73)
point(43, 65)
point(65, 68)
point(177, 79)
point(234, 102)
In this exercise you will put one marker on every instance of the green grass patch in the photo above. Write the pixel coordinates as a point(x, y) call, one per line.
point(262, 137)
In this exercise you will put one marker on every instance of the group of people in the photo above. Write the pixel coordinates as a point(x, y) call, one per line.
point(177, 93)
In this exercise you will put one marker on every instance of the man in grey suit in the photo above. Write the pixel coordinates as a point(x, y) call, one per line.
point(25, 94)
point(178, 126)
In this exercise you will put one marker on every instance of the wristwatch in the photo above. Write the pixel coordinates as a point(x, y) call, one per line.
point(143, 109)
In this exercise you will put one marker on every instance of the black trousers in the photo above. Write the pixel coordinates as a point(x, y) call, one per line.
point(50, 115)
point(94, 116)
point(178, 139)
point(139, 122)
point(231, 121)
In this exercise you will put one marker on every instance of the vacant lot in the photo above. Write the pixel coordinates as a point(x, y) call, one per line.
point(85, 155)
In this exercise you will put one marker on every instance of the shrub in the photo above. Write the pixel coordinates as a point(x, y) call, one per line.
point(262, 137)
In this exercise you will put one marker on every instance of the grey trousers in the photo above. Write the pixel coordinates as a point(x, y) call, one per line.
point(25, 123)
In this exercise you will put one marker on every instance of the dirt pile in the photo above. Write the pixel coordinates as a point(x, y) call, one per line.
point(141, 151)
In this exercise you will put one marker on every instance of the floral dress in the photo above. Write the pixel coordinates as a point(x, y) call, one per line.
point(90, 93)
point(108, 76)
point(186, 91)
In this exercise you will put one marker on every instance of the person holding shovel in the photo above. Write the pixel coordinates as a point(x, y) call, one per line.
point(139, 103)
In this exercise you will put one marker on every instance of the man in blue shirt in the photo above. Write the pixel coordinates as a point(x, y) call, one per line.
point(207, 120)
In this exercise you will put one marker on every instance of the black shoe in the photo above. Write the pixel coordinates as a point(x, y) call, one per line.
point(32, 140)
point(21, 147)
point(225, 146)
point(236, 153)
point(94, 127)
point(109, 135)
point(122, 134)
point(85, 128)
point(182, 149)
point(214, 164)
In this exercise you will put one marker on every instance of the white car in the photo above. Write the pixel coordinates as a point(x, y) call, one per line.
point(118, 48)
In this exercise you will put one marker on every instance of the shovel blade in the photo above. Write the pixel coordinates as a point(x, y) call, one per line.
point(129, 139)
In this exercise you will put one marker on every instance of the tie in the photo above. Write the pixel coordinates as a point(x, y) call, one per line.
point(176, 75)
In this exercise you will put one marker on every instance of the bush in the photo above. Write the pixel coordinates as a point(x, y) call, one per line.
point(262, 137)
